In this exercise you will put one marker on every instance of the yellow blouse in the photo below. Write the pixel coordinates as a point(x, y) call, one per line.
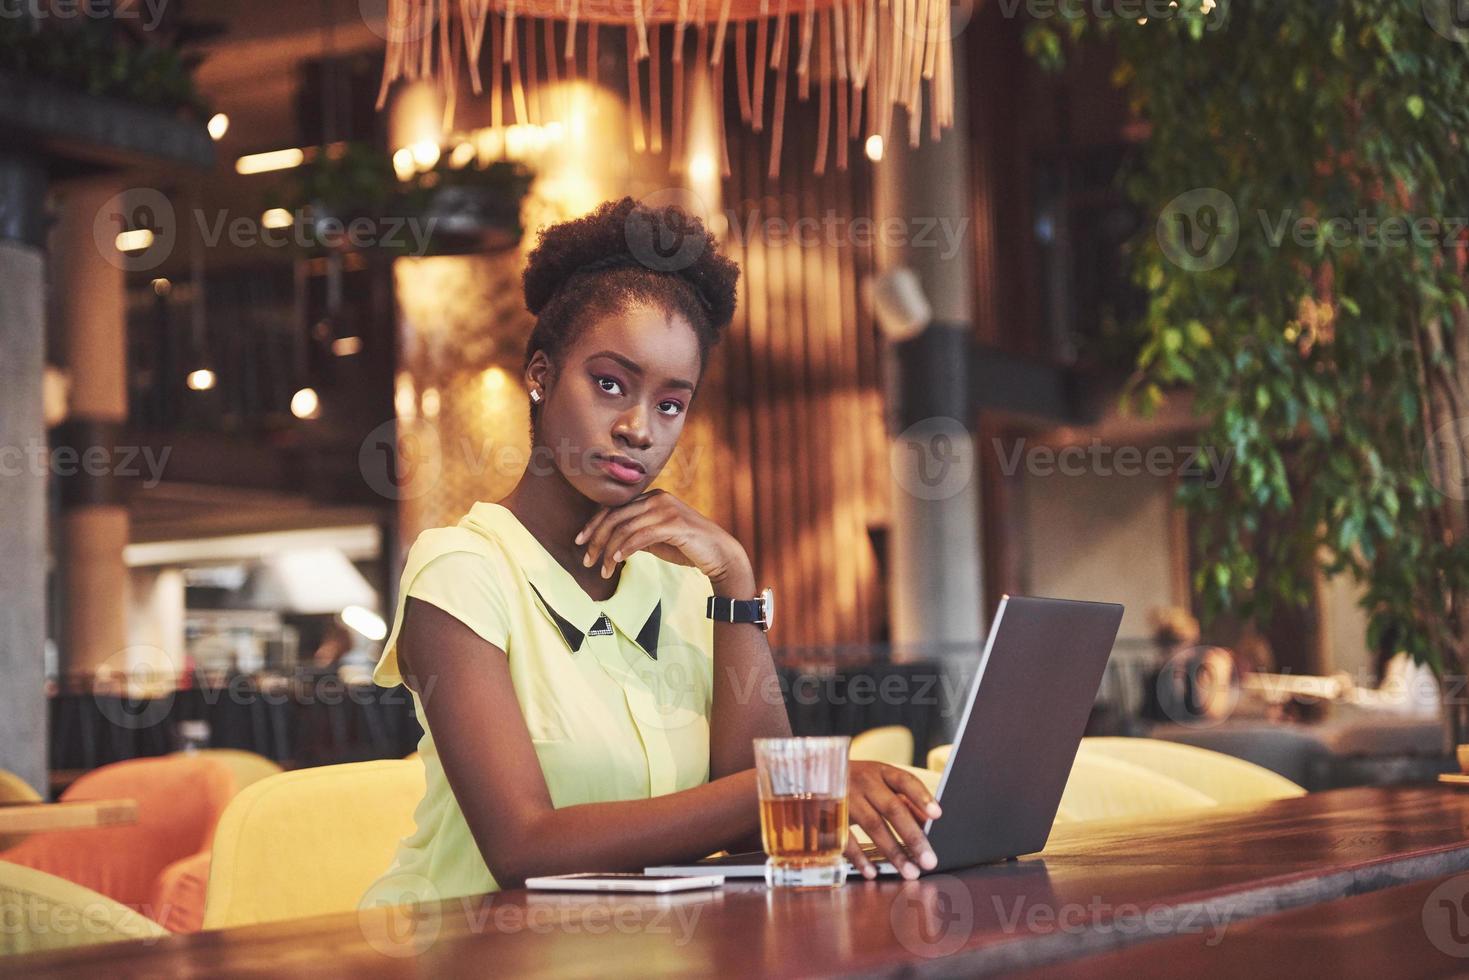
point(616, 694)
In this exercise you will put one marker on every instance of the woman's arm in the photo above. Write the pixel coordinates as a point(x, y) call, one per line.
point(492, 767)
point(748, 703)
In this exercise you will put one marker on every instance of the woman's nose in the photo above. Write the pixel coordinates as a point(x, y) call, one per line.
point(632, 429)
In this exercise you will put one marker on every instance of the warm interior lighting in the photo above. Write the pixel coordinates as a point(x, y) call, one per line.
point(405, 401)
point(431, 403)
point(219, 124)
point(346, 346)
point(493, 379)
point(135, 240)
point(260, 163)
point(277, 218)
point(365, 621)
point(873, 147)
point(201, 380)
point(161, 287)
point(701, 167)
point(462, 156)
point(425, 154)
point(403, 164)
point(305, 404)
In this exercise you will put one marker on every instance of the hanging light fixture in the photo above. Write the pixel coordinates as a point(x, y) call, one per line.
point(865, 56)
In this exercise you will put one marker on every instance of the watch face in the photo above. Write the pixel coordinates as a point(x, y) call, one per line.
point(767, 599)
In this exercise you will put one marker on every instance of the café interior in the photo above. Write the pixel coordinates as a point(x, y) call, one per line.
point(262, 325)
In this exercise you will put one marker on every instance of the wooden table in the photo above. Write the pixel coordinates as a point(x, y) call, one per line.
point(1095, 890)
point(1411, 931)
point(25, 818)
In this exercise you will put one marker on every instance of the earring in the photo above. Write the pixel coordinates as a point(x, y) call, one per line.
point(535, 395)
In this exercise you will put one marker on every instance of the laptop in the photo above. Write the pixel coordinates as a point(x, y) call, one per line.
point(1017, 739)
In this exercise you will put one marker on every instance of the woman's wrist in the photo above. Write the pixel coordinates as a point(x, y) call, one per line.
point(736, 579)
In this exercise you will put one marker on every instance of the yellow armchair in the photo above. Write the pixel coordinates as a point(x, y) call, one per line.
point(892, 744)
point(309, 841)
point(39, 905)
point(1222, 778)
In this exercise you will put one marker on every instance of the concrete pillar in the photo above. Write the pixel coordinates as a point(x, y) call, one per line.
point(91, 283)
point(935, 587)
point(22, 471)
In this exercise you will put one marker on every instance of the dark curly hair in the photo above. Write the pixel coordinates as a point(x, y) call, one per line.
point(622, 254)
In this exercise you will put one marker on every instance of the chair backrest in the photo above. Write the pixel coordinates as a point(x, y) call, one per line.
point(249, 767)
point(309, 841)
point(1221, 777)
point(938, 756)
point(180, 799)
point(892, 744)
point(43, 912)
point(1100, 788)
point(13, 789)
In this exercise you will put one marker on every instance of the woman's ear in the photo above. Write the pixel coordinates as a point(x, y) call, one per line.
point(538, 376)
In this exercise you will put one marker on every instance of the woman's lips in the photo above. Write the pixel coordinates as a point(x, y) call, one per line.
point(621, 472)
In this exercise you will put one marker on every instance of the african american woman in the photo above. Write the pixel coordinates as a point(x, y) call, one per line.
point(582, 707)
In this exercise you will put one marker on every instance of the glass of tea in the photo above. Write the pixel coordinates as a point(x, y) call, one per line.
point(803, 809)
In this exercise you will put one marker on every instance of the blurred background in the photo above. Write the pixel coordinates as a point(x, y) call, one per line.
point(262, 324)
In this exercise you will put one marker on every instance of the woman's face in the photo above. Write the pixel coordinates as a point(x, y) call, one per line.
point(615, 406)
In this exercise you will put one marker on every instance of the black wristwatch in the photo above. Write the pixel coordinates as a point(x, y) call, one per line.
point(760, 610)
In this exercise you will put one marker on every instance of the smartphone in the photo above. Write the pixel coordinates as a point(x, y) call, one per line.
point(619, 881)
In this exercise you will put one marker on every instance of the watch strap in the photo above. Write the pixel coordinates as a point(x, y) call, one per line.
point(722, 609)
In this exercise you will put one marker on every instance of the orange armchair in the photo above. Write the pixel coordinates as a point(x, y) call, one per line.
point(180, 799)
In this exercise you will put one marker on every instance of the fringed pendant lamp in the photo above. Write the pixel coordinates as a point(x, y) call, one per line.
point(877, 53)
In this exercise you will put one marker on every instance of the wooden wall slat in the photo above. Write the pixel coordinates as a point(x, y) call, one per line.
point(802, 397)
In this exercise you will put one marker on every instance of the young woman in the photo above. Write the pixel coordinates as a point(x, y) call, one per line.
point(581, 710)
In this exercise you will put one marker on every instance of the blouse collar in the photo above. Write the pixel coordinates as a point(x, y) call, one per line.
point(634, 609)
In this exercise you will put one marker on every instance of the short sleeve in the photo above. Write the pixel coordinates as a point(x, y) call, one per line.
point(465, 584)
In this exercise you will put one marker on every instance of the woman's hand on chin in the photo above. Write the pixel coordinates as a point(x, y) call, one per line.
point(664, 526)
point(890, 804)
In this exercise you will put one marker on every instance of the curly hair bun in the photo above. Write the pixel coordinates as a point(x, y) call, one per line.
point(664, 240)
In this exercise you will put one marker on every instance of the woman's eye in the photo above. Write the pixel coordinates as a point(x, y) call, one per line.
point(670, 408)
point(610, 385)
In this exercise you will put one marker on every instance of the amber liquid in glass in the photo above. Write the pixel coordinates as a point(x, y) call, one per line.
point(804, 828)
